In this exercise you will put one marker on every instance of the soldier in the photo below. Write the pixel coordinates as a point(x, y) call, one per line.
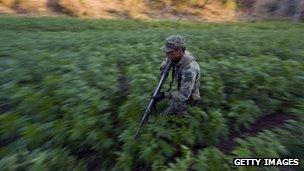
point(187, 74)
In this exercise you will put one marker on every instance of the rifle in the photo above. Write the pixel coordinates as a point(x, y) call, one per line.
point(152, 103)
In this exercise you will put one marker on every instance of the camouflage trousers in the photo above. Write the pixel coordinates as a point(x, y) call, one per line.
point(180, 108)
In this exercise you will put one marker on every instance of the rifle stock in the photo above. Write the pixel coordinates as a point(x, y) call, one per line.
point(152, 102)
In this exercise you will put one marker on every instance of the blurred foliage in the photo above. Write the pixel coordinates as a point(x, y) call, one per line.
point(72, 92)
point(193, 10)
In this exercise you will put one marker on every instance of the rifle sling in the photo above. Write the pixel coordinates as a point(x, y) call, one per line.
point(172, 78)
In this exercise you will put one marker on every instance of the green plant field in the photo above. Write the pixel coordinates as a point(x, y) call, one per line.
point(72, 92)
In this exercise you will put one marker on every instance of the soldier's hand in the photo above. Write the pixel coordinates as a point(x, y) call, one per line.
point(158, 97)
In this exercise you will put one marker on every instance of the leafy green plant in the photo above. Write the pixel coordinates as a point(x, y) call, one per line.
point(266, 144)
point(72, 92)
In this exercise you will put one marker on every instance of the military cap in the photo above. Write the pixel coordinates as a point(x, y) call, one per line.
point(175, 41)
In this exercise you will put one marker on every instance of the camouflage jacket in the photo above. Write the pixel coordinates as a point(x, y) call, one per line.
point(187, 75)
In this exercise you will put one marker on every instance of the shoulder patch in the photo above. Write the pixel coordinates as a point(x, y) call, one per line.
point(188, 76)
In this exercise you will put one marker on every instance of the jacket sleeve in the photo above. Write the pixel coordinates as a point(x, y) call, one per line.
point(187, 84)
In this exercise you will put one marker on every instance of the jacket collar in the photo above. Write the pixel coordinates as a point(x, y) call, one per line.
point(186, 59)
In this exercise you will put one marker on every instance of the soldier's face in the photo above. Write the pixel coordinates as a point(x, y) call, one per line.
point(175, 54)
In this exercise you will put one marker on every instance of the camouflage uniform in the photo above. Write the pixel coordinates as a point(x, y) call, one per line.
point(187, 75)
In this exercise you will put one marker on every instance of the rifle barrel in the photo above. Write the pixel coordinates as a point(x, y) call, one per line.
point(152, 101)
